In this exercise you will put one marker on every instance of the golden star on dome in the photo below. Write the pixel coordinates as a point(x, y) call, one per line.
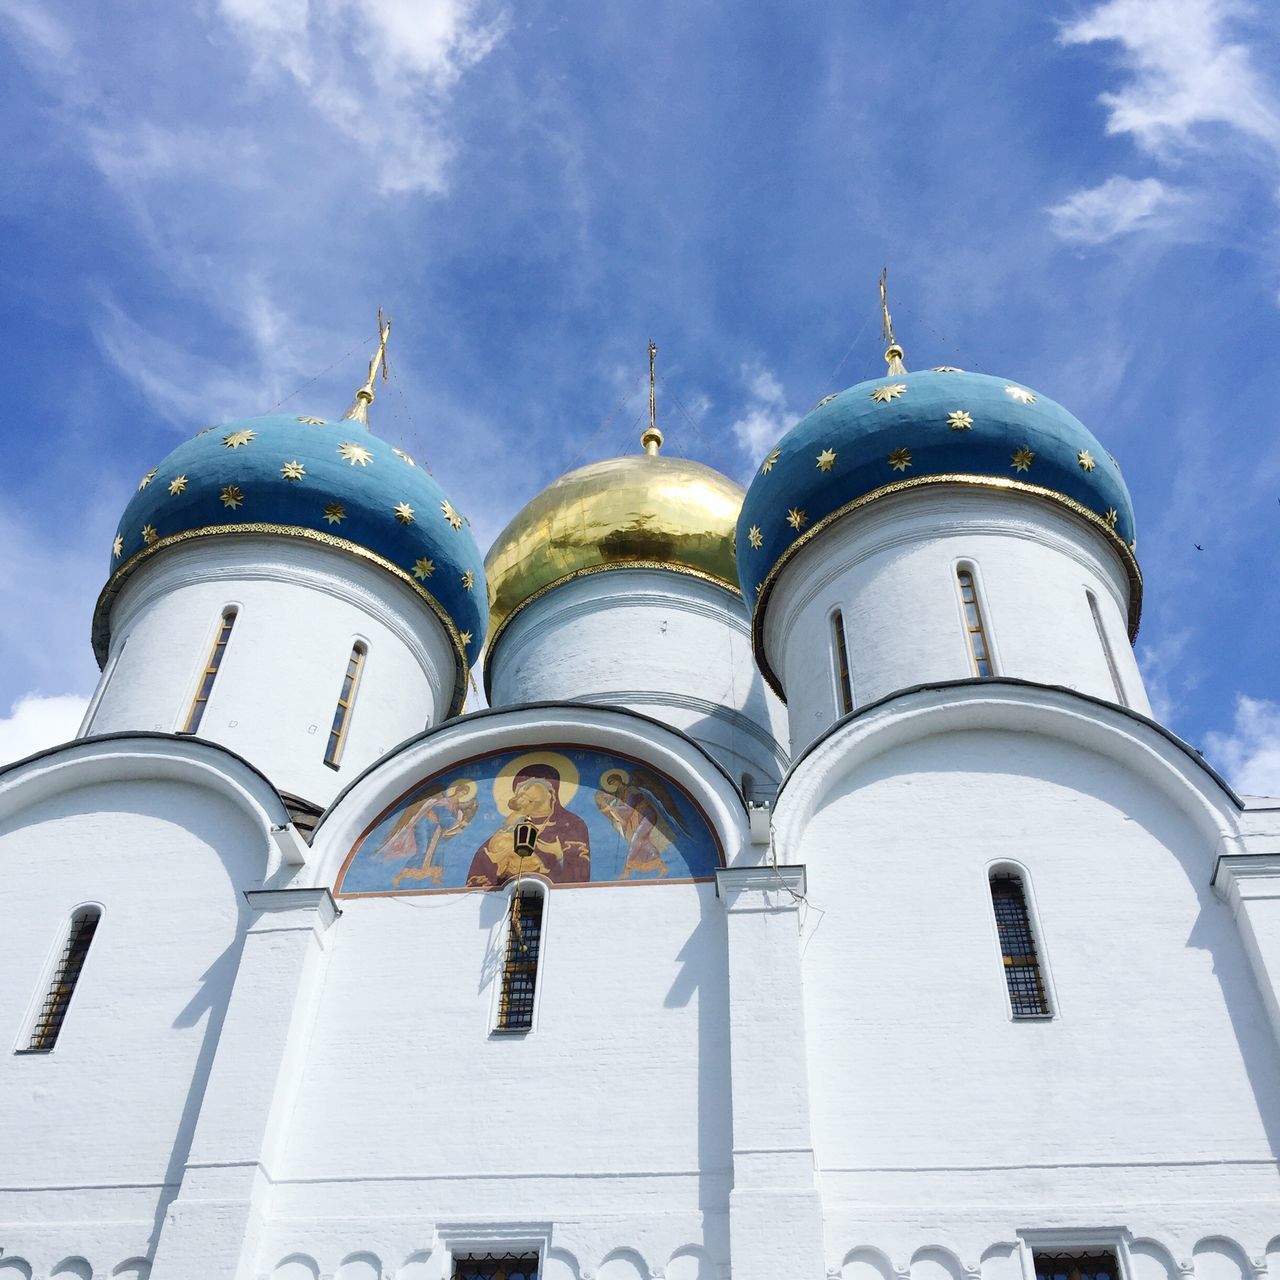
point(1133, 544)
point(149, 534)
point(890, 391)
point(335, 513)
point(232, 496)
point(826, 459)
point(755, 537)
point(900, 459)
point(313, 422)
point(468, 580)
point(423, 569)
point(446, 508)
point(1020, 394)
point(400, 453)
point(768, 464)
point(797, 518)
point(404, 513)
point(293, 470)
point(1085, 459)
point(946, 368)
point(1023, 458)
point(465, 637)
point(177, 485)
point(117, 546)
point(759, 587)
point(237, 438)
point(148, 478)
point(1111, 515)
point(354, 453)
point(959, 420)
point(825, 400)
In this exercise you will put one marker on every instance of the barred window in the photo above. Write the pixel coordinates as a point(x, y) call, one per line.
point(210, 672)
point(1097, 1265)
point(841, 650)
point(490, 1266)
point(53, 1012)
point(346, 700)
point(979, 650)
point(520, 968)
point(1027, 994)
point(1106, 648)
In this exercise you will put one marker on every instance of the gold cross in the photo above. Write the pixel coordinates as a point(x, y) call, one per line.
point(886, 325)
point(364, 397)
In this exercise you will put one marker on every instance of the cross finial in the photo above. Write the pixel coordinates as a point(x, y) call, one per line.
point(892, 353)
point(364, 397)
point(652, 438)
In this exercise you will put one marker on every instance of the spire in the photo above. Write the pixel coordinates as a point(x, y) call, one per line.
point(652, 437)
point(364, 397)
point(892, 353)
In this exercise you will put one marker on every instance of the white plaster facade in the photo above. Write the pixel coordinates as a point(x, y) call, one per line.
point(806, 1065)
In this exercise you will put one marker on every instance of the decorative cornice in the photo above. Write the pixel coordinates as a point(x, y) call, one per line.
point(782, 888)
point(1240, 877)
point(318, 901)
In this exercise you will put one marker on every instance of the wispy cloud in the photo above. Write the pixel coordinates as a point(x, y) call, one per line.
point(765, 418)
point(1249, 755)
point(35, 722)
point(1117, 206)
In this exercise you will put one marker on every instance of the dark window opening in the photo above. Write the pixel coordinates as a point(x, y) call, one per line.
point(210, 672)
point(520, 969)
point(491, 1266)
point(53, 1011)
point(1018, 947)
point(842, 663)
point(1077, 1266)
point(973, 624)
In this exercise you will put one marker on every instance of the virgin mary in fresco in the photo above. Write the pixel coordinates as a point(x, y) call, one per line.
point(562, 846)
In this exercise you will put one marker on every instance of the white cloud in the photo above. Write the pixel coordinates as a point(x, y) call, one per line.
point(1117, 206)
point(766, 417)
point(1249, 755)
point(1164, 674)
point(35, 722)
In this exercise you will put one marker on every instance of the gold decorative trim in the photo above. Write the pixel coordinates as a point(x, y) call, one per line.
point(765, 588)
point(101, 634)
point(588, 571)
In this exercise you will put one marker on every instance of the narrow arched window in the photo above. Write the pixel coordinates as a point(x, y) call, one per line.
point(210, 672)
point(1106, 647)
point(346, 700)
point(1028, 997)
point(979, 650)
point(840, 651)
point(53, 1011)
point(520, 965)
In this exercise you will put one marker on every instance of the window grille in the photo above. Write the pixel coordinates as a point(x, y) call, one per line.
point(978, 648)
point(842, 663)
point(1106, 648)
point(1018, 947)
point(520, 969)
point(53, 1011)
point(210, 672)
point(491, 1266)
point(1077, 1266)
point(346, 700)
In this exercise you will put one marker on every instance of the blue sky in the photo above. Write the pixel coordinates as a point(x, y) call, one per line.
point(203, 205)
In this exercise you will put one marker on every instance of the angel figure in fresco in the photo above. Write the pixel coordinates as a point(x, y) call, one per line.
point(562, 846)
point(439, 815)
point(644, 814)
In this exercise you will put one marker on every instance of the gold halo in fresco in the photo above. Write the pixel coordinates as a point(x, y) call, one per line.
point(505, 782)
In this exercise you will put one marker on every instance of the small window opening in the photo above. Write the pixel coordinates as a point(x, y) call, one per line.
point(210, 672)
point(53, 1011)
point(843, 682)
point(520, 968)
point(1022, 973)
point(491, 1266)
point(1106, 648)
point(1098, 1265)
point(978, 648)
point(342, 713)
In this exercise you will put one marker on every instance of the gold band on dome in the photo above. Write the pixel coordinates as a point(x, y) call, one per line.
point(917, 482)
point(101, 634)
point(589, 571)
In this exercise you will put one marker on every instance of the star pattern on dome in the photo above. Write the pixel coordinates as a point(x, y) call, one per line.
point(465, 637)
point(1111, 515)
point(312, 422)
point(1023, 458)
point(1020, 394)
point(446, 508)
point(177, 485)
point(797, 518)
point(1085, 459)
point(825, 400)
point(335, 513)
point(946, 368)
point(959, 420)
point(770, 462)
point(423, 568)
point(237, 439)
point(900, 459)
point(148, 478)
point(355, 453)
point(826, 460)
point(149, 534)
point(293, 470)
point(755, 537)
point(404, 513)
point(400, 453)
point(468, 580)
point(890, 391)
point(117, 546)
point(232, 496)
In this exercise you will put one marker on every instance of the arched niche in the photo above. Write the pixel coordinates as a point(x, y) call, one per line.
point(1150, 1260)
point(623, 1264)
point(360, 1266)
point(1217, 1258)
point(866, 1264)
point(690, 1263)
point(934, 1263)
point(297, 1266)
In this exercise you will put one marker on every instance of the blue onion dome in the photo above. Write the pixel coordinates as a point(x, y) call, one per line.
point(908, 430)
point(334, 483)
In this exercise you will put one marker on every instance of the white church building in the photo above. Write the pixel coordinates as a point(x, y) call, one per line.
point(816, 897)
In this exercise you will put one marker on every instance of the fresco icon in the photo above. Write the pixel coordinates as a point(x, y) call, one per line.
point(572, 815)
